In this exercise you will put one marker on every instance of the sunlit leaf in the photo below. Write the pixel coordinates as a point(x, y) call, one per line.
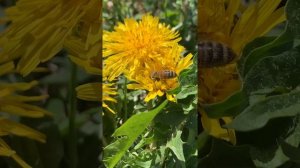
point(187, 91)
point(127, 134)
point(176, 145)
point(258, 114)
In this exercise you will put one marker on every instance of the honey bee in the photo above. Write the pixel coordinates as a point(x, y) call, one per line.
point(163, 74)
point(214, 54)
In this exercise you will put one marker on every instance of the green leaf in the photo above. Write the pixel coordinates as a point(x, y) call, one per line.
point(144, 164)
point(176, 145)
point(175, 91)
point(265, 157)
point(282, 43)
point(230, 107)
point(268, 150)
point(187, 91)
point(173, 116)
point(127, 134)
point(289, 145)
point(293, 16)
point(291, 151)
point(282, 70)
point(257, 115)
point(256, 43)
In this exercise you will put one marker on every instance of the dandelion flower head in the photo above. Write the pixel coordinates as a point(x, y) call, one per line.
point(172, 61)
point(133, 43)
point(137, 49)
point(11, 103)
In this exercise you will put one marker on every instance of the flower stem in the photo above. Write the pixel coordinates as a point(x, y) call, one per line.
point(72, 117)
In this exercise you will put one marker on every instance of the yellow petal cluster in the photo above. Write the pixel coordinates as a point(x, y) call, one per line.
point(12, 103)
point(5, 150)
point(226, 21)
point(92, 92)
point(132, 44)
point(40, 29)
point(138, 48)
point(171, 61)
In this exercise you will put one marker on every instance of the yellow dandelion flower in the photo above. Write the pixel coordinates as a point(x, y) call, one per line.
point(219, 21)
point(91, 65)
point(89, 91)
point(95, 91)
point(171, 62)
point(107, 92)
point(132, 44)
point(92, 92)
point(14, 104)
point(40, 29)
point(7, 68)
point(85, 46)
point(17, 104)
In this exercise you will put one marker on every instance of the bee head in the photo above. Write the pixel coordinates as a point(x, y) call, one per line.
point(154, 76)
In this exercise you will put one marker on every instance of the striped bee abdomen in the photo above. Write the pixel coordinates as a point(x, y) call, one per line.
point(213, 54)
point(163, 74)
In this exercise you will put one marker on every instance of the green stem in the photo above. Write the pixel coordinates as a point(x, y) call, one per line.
point(72, 117)
point(125, 99)
point(149, 105)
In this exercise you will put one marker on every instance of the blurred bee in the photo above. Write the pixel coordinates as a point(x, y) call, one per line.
point(214, 54)
point(163, 74)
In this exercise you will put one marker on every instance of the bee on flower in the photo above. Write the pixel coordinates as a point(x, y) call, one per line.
point(147, 53)
point(163, 75)
point(221, 26)
point(214, 54)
